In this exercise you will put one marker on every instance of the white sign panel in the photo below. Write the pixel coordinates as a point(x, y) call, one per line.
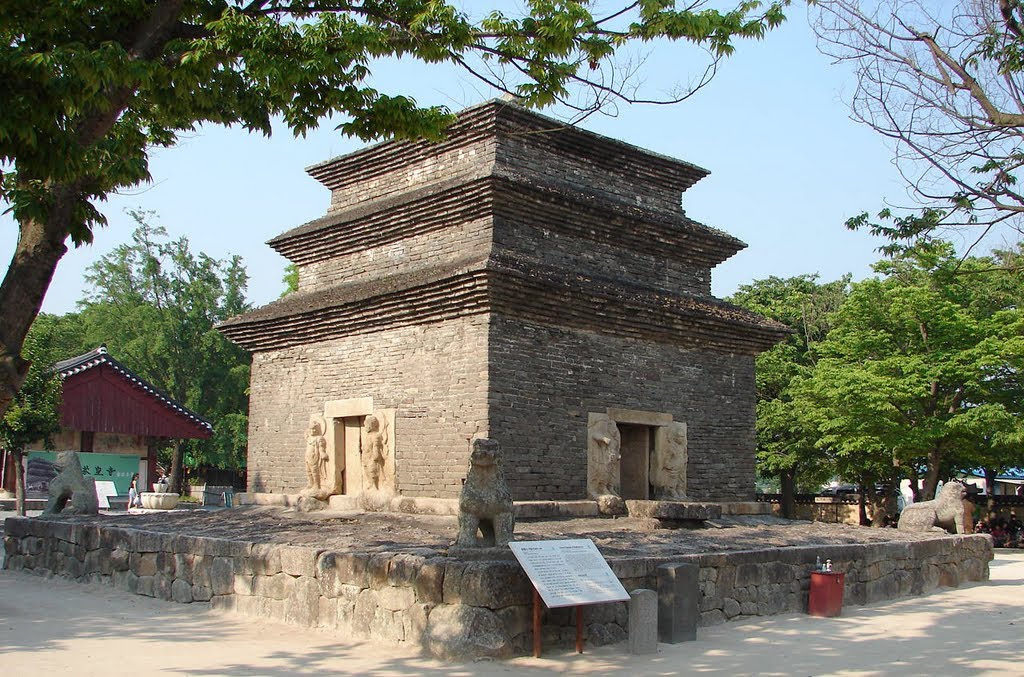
point(104, 490)
point(568, 573)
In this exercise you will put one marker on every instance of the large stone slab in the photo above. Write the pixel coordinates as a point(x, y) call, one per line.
point(674, 511)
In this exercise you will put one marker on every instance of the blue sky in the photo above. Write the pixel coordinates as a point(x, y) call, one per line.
point(787, 166)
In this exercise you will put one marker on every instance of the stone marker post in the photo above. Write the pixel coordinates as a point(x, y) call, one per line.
point(678, 602)
point(643, 622)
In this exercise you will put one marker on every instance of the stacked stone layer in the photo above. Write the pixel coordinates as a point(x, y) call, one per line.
point(423, 598)
point(566, 253)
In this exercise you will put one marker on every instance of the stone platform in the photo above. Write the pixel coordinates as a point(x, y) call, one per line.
point(395, 578)
point(525, 509)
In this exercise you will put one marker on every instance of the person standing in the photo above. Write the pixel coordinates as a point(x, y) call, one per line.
point(134, 497)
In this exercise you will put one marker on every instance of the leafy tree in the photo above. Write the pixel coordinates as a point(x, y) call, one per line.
point(290, 279)
point(155, 304)
point(944, 82)
point(921, 361)
point(90, 86)
point(34, 415)
point(786, 443)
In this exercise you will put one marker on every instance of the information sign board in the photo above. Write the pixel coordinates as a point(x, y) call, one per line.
point(568, 573)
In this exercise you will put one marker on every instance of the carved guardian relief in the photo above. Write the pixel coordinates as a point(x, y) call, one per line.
point(603, 441)
point(377, 452)
point(320, 470)
point(668, 463)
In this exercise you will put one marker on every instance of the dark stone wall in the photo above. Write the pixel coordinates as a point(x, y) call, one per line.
point(433, 375)
point(544, 380)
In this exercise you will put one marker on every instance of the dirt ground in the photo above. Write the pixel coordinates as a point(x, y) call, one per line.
point(431, 534)
point(49, 626)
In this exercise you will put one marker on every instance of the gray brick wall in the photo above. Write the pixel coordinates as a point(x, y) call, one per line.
point(458, 241)
point(544, 381)
point(435, 375)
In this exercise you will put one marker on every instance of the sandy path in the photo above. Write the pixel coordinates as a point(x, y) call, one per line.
point(56, 627)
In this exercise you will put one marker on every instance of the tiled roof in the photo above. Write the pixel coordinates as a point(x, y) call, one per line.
point(100, 356)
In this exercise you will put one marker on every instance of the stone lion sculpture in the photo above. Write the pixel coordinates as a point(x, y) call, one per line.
point(485, 504)
point(71, 485)
point(945, 512)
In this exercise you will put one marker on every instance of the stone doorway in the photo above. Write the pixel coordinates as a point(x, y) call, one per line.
point(636, 455)
point(635, 462)
point(362, 444)
point(346, 454)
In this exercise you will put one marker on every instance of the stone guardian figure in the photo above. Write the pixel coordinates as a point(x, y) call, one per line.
point(374, 448)
point(316, 457)
point(945, 511)
point(485, 504)
point(71, 485)
point(668, 474)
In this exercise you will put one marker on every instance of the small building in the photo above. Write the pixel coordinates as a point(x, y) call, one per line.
point(107, 409)
point(522, 280)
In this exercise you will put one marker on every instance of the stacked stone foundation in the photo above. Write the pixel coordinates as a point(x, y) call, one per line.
point(428, 599)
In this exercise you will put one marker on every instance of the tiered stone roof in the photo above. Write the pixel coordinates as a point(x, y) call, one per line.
point(523, 168)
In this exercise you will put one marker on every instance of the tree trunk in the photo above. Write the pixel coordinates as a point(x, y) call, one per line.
point(862, 505)
point(40, 246)
point(787, 478)
point(931, 474)
point(176, 458)
point(990, 489)
point(19, 483)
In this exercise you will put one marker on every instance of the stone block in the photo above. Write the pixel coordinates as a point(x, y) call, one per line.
point(298, 561)
point(183, 566)
point(146, 541)
point(181, 591)
point(244, 584)
point(395, 598)
point(278, 586)
point(493, 585)
point(165, 563)
point(643, 621)
point(350, 568)
point(674, 511)
point(201, 565)
point(146, 585)
point(125, 580)
point(415, 623)
point(377, 570)
point(98, 561)
point(16, 527)
point(459, 632)
point(429, 584)
point(120, 559)
point(162, 584)
point(678, 602)
point(302, 605)
point(143, 564)
point(222, 576)
point(404, 569)
point(202, 593)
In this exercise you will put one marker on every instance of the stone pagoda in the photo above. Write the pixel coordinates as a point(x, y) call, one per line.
point(522, 280)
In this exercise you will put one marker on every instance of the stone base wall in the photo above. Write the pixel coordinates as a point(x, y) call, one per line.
point(453, 607)
point(545, 380)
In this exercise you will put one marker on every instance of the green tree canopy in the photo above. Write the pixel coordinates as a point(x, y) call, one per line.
point(90, 86)
point(34, 415)
point(155, 303)
point(921, 364)
point(786, 442)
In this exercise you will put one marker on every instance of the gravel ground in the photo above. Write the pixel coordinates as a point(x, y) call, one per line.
point(430, 534)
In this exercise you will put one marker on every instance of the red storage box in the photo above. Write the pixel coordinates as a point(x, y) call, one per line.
point(826, 594)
